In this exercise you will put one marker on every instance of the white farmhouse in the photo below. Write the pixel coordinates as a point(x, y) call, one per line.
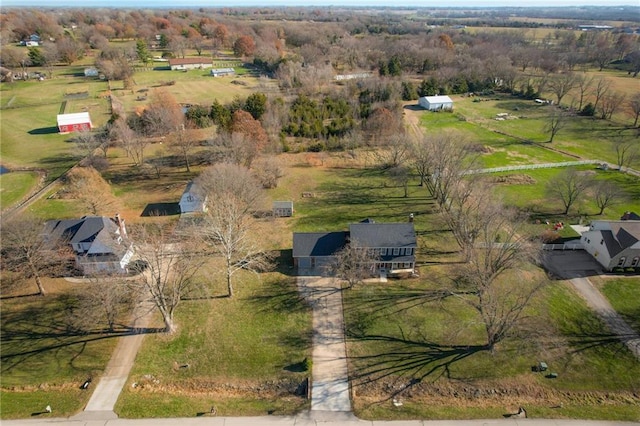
point(436, 103)
point(192, 200)
point(613, 243)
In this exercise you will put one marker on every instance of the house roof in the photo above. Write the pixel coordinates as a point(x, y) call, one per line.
point(99, 231)
point(437, 99)
point(383, 235)
point(620, 235)
point(630, 216)
point(317, 244)
point(283, 204)
point(189, 61)
point(75, 118)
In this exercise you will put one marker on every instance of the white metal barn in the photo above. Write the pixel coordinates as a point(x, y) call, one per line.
point(436, 103)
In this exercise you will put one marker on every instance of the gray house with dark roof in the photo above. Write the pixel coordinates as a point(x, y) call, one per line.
point(394, 244)
point(99, 243)
point(613, 243)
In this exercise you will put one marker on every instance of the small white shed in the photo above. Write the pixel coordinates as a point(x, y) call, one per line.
point(283, 208)
point(436, 103)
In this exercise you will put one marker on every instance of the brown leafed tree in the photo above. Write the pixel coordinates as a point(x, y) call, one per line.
point(163, 115)
point(253, 137)
point(244, 46)
point(88, 186)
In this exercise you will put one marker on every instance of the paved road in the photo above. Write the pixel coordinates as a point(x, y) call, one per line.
point(313, 418)
point(330, 384)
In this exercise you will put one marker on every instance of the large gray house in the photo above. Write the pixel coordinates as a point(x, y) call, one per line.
point(99, 243)
point(613, 243)
point(394, 243)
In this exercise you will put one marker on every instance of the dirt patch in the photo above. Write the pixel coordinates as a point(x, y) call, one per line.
point(235, 389)
point(513, 392)
point(517, 179)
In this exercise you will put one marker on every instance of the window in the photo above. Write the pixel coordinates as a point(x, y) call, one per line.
point(621, 261)
point(396, 251)
point(383, 252)
point(634, 263)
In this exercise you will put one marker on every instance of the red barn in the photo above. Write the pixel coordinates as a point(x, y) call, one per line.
point(78, 122)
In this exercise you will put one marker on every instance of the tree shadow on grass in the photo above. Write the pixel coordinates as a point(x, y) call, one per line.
point(51, 329)
point(412, 359)
point(280, 296)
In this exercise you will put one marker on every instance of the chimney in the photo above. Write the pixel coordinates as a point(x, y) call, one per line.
point(120, 222)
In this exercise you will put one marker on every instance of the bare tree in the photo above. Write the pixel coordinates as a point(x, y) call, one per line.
point(133, 143)
point(606, 194)
point(183, 141)
point(420, 158)
point(562, 84)
point(171, 268)
point(556, 122)
point(602, 86)
point(609, 104)
point(268, 171)
point(627, 153)
point(104, 300)
point(500, 248)
point(584, 85)
point(354, 263)
point(400, 175)
point(229, 228)
point(633, 108)
point(450, 159)
point(26, 250)
point(568, 187)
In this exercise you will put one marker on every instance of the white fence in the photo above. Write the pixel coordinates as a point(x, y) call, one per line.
point(532, 167)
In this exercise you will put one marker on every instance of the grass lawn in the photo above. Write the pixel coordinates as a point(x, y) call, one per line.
point(14, 186)
point(401, 337)
point(624, 296)
point(531, 195)
point(48, 352)
point(234, 347)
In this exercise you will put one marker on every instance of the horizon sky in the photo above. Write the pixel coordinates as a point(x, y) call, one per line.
point(175, 4)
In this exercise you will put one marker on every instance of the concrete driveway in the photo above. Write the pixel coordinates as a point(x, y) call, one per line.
point(576, 266)
point(330, 384)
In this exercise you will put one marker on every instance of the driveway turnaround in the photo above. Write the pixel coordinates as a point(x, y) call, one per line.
point(330, 383)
